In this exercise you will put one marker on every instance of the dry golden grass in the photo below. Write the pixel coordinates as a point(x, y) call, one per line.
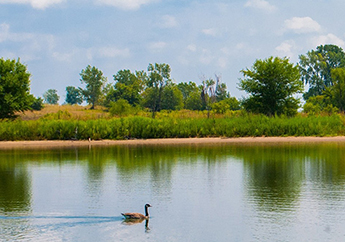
point(74, 112)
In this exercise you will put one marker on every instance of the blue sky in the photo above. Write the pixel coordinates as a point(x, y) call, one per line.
point(56, 39)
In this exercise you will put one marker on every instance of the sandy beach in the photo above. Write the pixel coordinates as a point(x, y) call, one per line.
point(246, 140)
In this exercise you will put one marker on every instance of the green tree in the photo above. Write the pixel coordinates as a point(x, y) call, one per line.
point(51, 96)
point(319, 104)
point(191, 95)
point(128, 86)
point(121, 108)
point(222, 106)
point(172, 98)
point(194, 102)
point(272, 84)
point(94, 80)
point(14, 88)
point(336, 93)
point(158, 79)
point(221, 92)
point(73, 95)
point(316, 67)
point(37, 104)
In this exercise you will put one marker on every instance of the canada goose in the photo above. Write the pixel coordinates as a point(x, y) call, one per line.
point(138, 215)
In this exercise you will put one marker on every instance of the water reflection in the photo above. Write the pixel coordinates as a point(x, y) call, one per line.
point(276, 188)
point(275, 175)
point(14, 188)
point(137, 221)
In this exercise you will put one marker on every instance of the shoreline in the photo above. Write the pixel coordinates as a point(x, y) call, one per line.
point(47, 144)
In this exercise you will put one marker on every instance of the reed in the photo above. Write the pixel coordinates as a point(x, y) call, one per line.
point(237, 125)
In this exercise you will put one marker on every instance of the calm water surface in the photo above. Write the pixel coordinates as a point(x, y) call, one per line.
point(198, 193)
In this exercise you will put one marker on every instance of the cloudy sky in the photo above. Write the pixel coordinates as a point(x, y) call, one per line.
point(56, 39)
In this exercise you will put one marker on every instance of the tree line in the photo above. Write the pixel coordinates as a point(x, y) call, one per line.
point(272, 84)
point(153, 89)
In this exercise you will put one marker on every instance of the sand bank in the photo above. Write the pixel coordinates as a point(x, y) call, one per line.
point(245, 140)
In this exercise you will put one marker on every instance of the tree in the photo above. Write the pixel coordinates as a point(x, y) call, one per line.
point(221, 92)
point(272, 84)
point(172, 98)
point(37, 104)
point(191, 95)
point(121, 108)
point(336, 93)
point(73, 95)
point(94, 80)
point(128, 86)
point(212, 91)
point(318, 104)
point(316, 67)
point(194, 102)
point(158, 79)
point(207, 94)
point(51, 96)
point(14, 88)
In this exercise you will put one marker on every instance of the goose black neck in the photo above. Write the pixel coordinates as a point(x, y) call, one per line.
point(146, 211)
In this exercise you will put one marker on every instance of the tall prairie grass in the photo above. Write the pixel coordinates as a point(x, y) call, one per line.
point(172, 126)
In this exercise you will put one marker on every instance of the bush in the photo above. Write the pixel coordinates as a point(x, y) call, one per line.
point(37, 104)
point(121, 108)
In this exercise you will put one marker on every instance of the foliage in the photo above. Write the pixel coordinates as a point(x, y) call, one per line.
point(94, 80)
point(158, 79)
point(73, 95)
point(191, 94)
point(337, 92)
point(222, 106)
point(170, 127)
point(14, 88)
point(319, 105)
point(172, 98)
point(271, 84)
point(37, 104)
point(207, 93)
point(221, 92)
point(121, 108)
point(51, 96)
point(128, 86)
point(316, 67)
point(194, 102)
point(212, 91)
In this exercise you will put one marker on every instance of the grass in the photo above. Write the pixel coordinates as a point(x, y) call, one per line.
point(71, 112)
point(73, 122)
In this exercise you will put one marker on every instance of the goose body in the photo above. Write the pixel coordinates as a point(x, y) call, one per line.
point(138, 215)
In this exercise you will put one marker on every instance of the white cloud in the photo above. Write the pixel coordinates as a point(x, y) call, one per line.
point(211, 32)
point(113, 52)
point(28, 38)
point(96, 52)
point(222, 62)
point(302, 25)
point(191, 47)
point(126, 4)
point(328, 39)
point(168, 22)
point(64, 57)
point(157, 45)
point(260, 4)
point(39, 4)
point(286, 48)
point(206, 57)
point(30, 46)
point(4, 32)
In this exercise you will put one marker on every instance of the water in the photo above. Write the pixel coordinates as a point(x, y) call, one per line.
point(198, 192)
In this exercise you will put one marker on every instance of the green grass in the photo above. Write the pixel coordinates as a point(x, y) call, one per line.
point(240, 125)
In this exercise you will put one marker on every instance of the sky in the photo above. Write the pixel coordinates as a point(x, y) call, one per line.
point(56, 39)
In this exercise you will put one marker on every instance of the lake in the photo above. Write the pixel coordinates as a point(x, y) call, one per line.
point(200, 192)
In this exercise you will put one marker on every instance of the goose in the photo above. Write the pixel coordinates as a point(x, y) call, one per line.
point(138, 215)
